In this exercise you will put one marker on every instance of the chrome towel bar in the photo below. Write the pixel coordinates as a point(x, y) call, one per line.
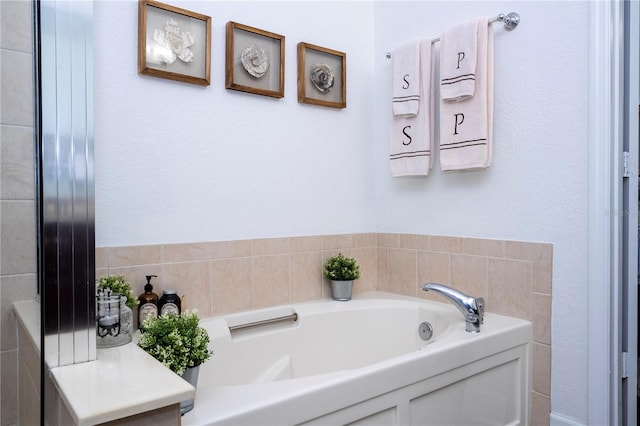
point(293, 317)
point(510, 20)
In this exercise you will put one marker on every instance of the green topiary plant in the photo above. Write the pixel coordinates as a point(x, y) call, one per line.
point(175, 340)
point(119, 284)
point(340, 268)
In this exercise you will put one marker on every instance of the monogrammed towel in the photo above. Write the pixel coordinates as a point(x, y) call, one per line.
point(405, 72)
point(459, 47)
point(466, 126)
point(411, 145)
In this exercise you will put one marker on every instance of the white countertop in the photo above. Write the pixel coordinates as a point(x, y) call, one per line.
point(122, 381)
point(28, 314)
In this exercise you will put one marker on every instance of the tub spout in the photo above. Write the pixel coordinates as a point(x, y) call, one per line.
point(471, 307)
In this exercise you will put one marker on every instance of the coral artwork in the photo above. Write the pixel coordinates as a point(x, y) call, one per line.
point(322, 77)
point(176, 42)
point(255, 61)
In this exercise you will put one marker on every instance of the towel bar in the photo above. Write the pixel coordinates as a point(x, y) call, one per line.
point(510, 20)
point(293, 317)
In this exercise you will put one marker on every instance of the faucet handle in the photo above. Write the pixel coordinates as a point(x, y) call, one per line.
point(480, 305)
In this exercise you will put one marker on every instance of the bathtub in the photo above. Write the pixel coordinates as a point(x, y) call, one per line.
point(364, 362)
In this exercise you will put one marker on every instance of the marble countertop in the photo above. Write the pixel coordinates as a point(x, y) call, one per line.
point(121, 382)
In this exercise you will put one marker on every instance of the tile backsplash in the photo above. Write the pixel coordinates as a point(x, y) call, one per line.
point(222, 277)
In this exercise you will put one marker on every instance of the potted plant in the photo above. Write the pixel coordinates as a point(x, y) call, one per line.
point(115, 302)
point(119, 284)
point(341, 271)
point(180, 343)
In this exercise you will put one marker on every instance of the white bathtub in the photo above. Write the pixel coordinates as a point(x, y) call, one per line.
point(363, 362)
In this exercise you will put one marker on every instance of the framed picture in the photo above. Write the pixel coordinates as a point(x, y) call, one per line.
point(322, 76)
point(173, 43)
point(254, 61)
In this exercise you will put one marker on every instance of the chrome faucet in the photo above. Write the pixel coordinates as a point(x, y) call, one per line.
point(471, 307)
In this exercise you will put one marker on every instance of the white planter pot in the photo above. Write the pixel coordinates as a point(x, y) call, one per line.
point(341, 290)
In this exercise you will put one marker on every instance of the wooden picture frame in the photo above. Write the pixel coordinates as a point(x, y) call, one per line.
point(322, 76)
point(174, 43)
point(254, 60)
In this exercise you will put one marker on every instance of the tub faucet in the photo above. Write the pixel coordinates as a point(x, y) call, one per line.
point(471, 307)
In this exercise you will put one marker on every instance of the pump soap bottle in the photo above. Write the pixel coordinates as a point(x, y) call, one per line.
point(148, 307)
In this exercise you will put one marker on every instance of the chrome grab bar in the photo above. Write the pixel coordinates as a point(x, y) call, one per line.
point(293, 317)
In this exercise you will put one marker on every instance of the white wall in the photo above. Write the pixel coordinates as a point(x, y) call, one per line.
point(177, 162)
point(537, 186)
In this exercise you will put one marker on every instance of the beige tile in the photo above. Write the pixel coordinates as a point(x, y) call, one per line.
point(191, 281)
point(367, 260)
point(382, 268)
point(16, 102)
point(14, 288)
point(135, 255)
point(306, 276)
point(101, 272)
point(482, 247)
point(468, 274)
point(541, 254)
point(509, 291)
point(16, 23)
point(29, 356)
point(16, 169)
point(270, 280)
point(388, 240)
point(444, 243)
point(231, 289)
point(17, 237)
point(9, 387)
point(29, 397)
point(188, 252)
point(433, 267)
point(364, 240)
point(337, 242)
point(541, 369)
point(229, 249)
point(543, 275)
point(527, 251)
point(102, 257)
point(540, 409)
point(266, 246)
point(414, 241)
point(403, 271)
point(541, 318)
point(305, 244)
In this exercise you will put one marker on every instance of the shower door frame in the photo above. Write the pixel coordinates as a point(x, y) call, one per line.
point(613, 212)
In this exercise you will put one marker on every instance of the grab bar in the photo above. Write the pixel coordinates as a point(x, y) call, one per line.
point(293, 317)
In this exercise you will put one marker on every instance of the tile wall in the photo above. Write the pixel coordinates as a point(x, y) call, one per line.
point(223, 277)
point(17, 208)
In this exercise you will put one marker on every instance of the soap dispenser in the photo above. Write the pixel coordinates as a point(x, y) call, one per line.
point(148, 307)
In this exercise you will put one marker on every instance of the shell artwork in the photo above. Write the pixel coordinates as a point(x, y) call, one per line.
point(177, 43)
point(255, 61)
point(322, 77)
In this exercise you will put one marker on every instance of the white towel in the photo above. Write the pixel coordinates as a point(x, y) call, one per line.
point(458, 59)
point(411, 146)
point(405, 69)
point(466, 127)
